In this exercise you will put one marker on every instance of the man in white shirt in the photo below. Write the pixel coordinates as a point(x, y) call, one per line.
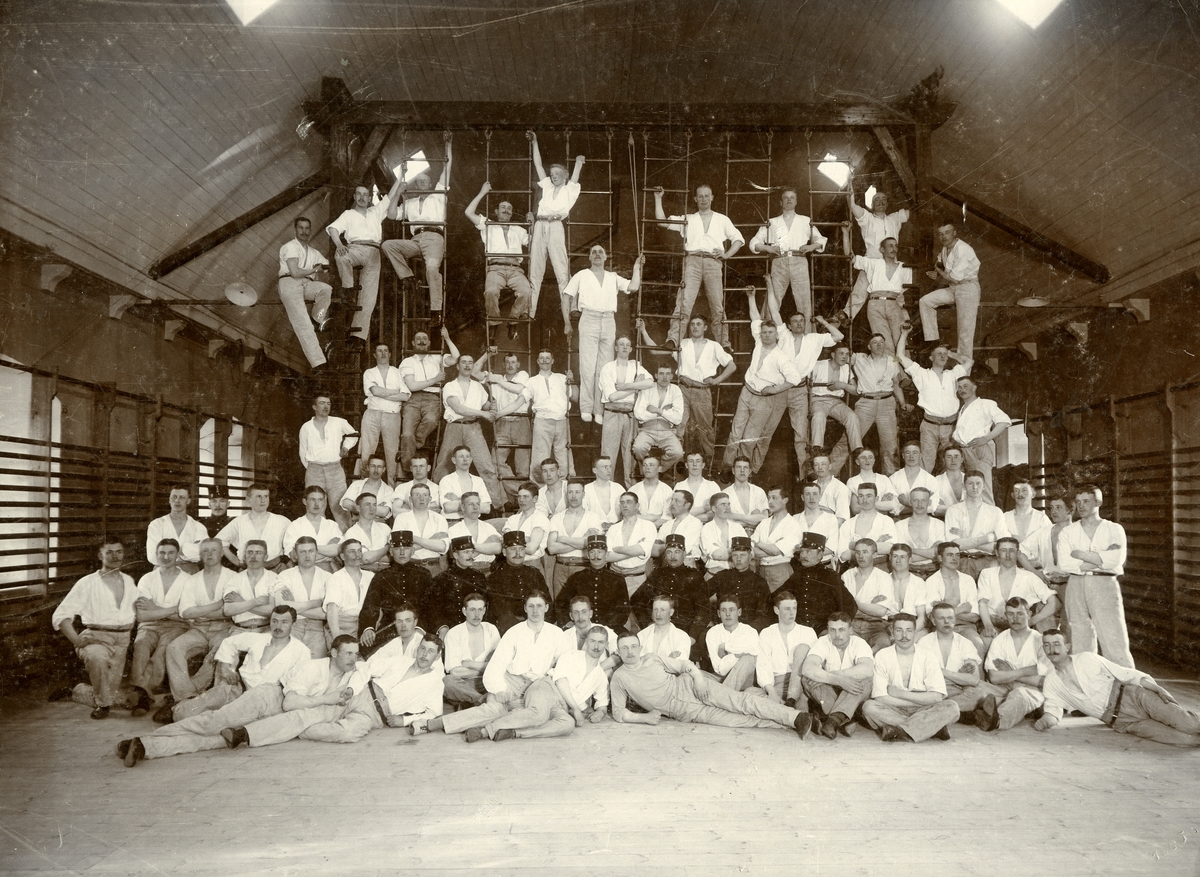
point(200, 605)
point(980, 422)
point(549, 396)
point(373, 535)
point(302, 278)
point(957, 271)
point(426, 217)
point(703, 364)
point(680, 522)
point(504, 245)
point(630, 543)
point(776, 540)
point(997, 584)
point(716, 537)
point(357, 235)
point(958, 589)
point(247, 596)
point(879, 392)
point(106, 602)
point(701, 488)
point(1026, 523)
point(790, 237)
point(345, 592)
point(659, 410)
point(654, 496)
point(764, 397)
point(526, 653)
point(886, 280)
point(593, 292)
point(511, 428)
point(871, 589)
point(704, 234)
point(469, 647)
point(159, 623)
point(602, 496)
point(467, 407)
point(975, 525)
point(245, 690)
point(832, 382)
point(619, 383)
point(936, 395)
point(747, 501)
point(1092, 553)
point(908, 694)
point(569, 532)
point(374, 485)
point(835, 496)
point(558, 196)
point(419, 468)
point(959, 660)
point(814, 519)
point(868, 524)
point(1016, 663)
point(322, 446)
point(732, 646)
point(423, 374)
point(912, 475)
point(836, 675)
point(313, 524)
point(921, 532)
point(1127, 700)
point(258, 523)
point(876, 225)
point(384, 391)
point(485, 538)
point(950, 485)
point(180, 526)
point(782, 649)
point(303, 588)
point(662, 637)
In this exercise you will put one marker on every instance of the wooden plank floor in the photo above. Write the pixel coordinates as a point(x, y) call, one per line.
point(610, 800)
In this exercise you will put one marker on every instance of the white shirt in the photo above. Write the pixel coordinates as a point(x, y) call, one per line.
point(881, 529)
point(962, 652)
point(784, 533)
point(604, 501)
point(641, 535)
point(301, 593)
point(1004, 648)
point(596, 295)
point(253, 671)
point(484, 532)
point(551, 506)
point(153, 588)
point(342, 591)
point(701, 494)
point(1096, 676)
point(825, 373)
point(948, 493)
point(91, 599)
point(419, 695)
point(535, 521)
point(935, 533)
point(458, 644)
point(557, 201)
point(834, 661)
point(755, 502)
point(697, 239)
point(827, 525)
point(452, 486)
point(675, 640)
point(977, 418)
point(799, 234)
point(1025, 585)
point(906, 485)
point(501, 240)
point(805, 349)
point(878, 280)
point(365, 227)
point(383, 496)
point(653, 503)
point(776, 650)
point(671, 403)
point(402, 492)
point(875, 229)
point(874, 376)
point(474, 397)
point(701, 359)
point(960, 262)
point(713, 540)
point(327, 448)
point(189, 540)
point(241, 585)
point(379, 535)
point(1074, 538)
point(195, 592)
point(318, 676)
point(587, 521)
point(988, 519)
point(1038, 521)
point(776, 365)
point(397, 648)
point(549, 398)
point(421, 368)
point(885, 491)
point(743, 639)
point(614, 372)
point(689, 528)
point(835, 497)
point(925, 674)
point(502, 396)
point(328, 532)
point(374, 377)
point(878, 584)
point(522, 654)
point(585, 684)
point(241, 530)
point(305, 256)
point(936, 395)
point(578, 639)
point(936, 591)
point(915, 596)
point(429, 209)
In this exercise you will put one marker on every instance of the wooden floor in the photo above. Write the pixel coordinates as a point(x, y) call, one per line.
point(610, 800)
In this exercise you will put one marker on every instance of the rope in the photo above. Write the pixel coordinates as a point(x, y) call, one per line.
point(637, 225)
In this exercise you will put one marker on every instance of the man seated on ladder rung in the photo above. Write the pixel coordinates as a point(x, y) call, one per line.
point(504, 248)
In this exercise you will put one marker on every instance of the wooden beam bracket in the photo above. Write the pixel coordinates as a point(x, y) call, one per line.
point(53, 274)
point(171, 328)
point(119, 304)
point(1139, 307)
point(216, 345)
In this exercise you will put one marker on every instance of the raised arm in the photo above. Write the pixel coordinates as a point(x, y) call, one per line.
point(755, 316)
point(579, 159)
point(855, 210)
point(470, 212)
point(531, 136)
point(444, 179)
point(451, 356)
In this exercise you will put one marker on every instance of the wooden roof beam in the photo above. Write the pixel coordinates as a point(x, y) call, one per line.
point(286, 198)
point(1022, 232)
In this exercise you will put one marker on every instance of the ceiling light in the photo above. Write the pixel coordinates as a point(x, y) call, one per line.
point(838, 171)
point(1032, 12)
point(248, 10)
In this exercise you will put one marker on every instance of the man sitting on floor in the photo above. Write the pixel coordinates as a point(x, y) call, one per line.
point(469, 647)
point(782, 650)
point(732, 646)
point(1017, 664)
point(837, 676)
point(908, 694)
point(678, 689)
point(959, 660)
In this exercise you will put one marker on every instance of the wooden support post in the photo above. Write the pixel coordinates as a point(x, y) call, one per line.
point(884, 136)
point(927, 221)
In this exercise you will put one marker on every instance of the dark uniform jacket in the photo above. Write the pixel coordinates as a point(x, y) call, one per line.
point(443, 606)
point(753, 593)
point(819, 593)
point(605, 588)
point(692, 609)
point(507, 587)
point(388, 591)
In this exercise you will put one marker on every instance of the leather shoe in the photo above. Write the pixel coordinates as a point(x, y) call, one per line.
point(987, 715)
point(235, 737)
point(60, 694)
point(164, 716)
point(474, 735)
point(504, 734)
point(891, 734)
point(100, 712)
point(135, 753)
point(803, 724)
point(123, 748)
point(829, 728)
point(943, 734)
point(144, 704)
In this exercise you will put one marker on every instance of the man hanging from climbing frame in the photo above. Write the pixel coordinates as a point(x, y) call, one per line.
point(426, 216)
point(559, 195)
point(790, 237)
point(876, 225)
point(504, 249)
point(704, 234)
point(357, 236)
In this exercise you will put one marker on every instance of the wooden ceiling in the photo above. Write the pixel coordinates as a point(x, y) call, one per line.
point(129, 128)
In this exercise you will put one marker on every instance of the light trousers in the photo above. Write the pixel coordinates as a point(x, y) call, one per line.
point(616, 441)
point(203, 731)
point(880, 413)
point(500, 278)
point(1096, 615)
point(431, 247)
point(419, 417)
point(935, 438)
point(346, 723)
point(377, 424)
point(294, 292)
point(1145, 714)
point(708, 271)
point(471, 435)
point(104, 660)
point(544, 713)
point(918, 722)
point(793, 271)
point(825, 407)
point(832, 699)
point(754, 424)
point(148, 667)
point(366, 258)
point(549, 239)
point(716, 704)
point(886, 317)
point(797, 404)
point(332, 477)
point(965, 298)
point(202, 639)
point(551, 438)
point(699, 432)
point(661, 437)
point(983, 460)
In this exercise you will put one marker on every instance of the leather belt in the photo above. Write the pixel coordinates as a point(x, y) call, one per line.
point(245, 625)
point(874, 395)
point(628, 573)
point(422, 229)
point(628, 410)
point(1113, 711)
point(107, 628)
point(466, 420)
point(375, 695)
point(554, 218)
point(572, 561)
point(512, 263)
point(1095, 573)
point(703, 256)
point(881, 296)
point(940, 421)
point(976, 554)
point(788, 253)
point(374, 244)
